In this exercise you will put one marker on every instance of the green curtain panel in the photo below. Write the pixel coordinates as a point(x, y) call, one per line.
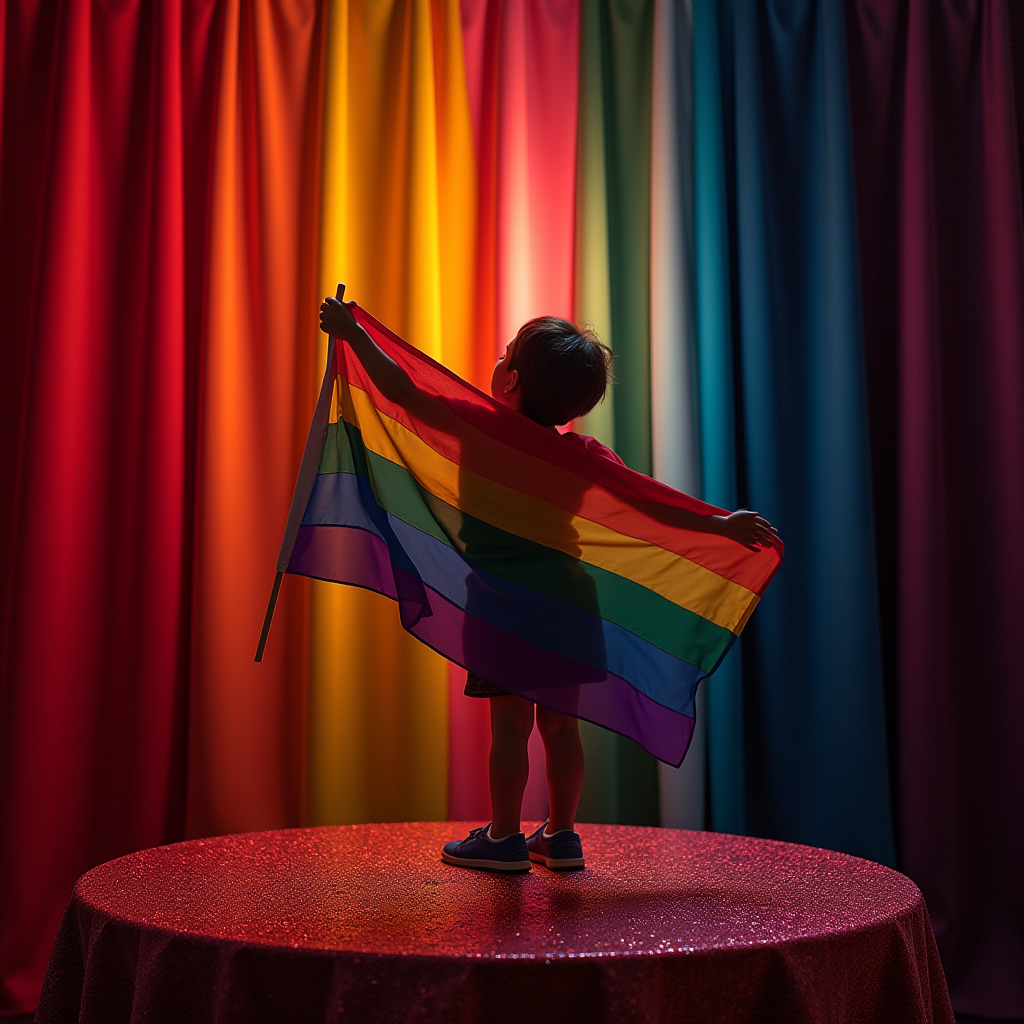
point(613, 293)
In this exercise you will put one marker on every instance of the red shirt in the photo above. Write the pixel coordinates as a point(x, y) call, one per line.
point(593, 444)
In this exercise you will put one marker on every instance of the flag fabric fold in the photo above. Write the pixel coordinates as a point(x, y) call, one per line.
point(538, 564)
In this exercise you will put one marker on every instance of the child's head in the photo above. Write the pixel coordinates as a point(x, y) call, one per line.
point(552, 371)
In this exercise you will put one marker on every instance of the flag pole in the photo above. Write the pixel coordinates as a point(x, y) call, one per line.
point(269, 617)
point(303, 486)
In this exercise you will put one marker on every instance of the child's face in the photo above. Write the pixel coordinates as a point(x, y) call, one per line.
point(505, 382)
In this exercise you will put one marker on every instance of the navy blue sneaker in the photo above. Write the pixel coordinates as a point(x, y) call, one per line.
point(478, 850)
point(561, 852)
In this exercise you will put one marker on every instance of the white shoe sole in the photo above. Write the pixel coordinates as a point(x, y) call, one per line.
point(487, 865)
point(558, 863)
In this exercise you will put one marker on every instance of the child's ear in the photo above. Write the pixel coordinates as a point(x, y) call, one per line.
point(512, 383)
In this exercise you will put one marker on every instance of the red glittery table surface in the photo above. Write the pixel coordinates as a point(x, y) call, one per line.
point(366, 923)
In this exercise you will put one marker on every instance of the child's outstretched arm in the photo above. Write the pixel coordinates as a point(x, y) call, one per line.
point(747, 528)
point(744, 527)
point(388, 377)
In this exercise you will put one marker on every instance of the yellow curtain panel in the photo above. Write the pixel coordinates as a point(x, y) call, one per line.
point(397, 222)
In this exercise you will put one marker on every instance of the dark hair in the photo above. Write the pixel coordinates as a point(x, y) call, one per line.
point(564, 370)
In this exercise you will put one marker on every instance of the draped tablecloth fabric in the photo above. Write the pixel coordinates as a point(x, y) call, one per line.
point(365, 923)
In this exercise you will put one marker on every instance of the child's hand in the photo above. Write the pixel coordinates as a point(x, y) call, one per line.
point(749, 529)
point(336, 319)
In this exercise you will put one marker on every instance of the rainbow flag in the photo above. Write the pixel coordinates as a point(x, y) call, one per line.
point(540, 565)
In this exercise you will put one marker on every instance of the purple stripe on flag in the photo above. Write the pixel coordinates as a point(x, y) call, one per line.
point(360, 558)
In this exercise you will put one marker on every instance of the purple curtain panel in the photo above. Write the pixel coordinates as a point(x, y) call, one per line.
point(935, 90)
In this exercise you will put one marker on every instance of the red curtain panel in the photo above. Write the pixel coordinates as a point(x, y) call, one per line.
point(117, 121)
point(99, 380)
point(935, 89)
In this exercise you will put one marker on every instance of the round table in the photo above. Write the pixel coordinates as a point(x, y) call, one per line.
point(366, 923)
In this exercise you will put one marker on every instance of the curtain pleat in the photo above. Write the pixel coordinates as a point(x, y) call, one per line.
point(246, 739)
point(95, 380)
point(814, 716)
point(397, 228)
point(613, 294)
point(521, 71)
point(714, 190)
point(936, 92)
point(112, 143)
point(674, 423)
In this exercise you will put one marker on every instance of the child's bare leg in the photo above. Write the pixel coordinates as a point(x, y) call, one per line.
point(509, 765)
point(561, 735)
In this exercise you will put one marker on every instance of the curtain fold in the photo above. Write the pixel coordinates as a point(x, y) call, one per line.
point(612, 293)
point(715, 296)
point(103, 205)
point(398, 227)
point(813, 716)
point(246, 744)
point(521, 71)
point(675, 454)
point(935, 93)
point(817, 757)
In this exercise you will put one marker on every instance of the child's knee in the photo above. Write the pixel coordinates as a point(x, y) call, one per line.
point(552, 723)
point(511, 716)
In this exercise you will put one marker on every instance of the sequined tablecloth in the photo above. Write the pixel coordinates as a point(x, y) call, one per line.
point(365, 923)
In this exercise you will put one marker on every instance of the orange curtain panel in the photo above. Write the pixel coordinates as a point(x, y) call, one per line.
point(246, 728)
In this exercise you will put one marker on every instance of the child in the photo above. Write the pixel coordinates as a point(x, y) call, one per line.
point(552, 372)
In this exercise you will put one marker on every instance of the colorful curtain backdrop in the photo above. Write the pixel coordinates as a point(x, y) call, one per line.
point(758, 206)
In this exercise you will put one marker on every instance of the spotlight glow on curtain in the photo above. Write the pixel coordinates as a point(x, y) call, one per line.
point(521, 61)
